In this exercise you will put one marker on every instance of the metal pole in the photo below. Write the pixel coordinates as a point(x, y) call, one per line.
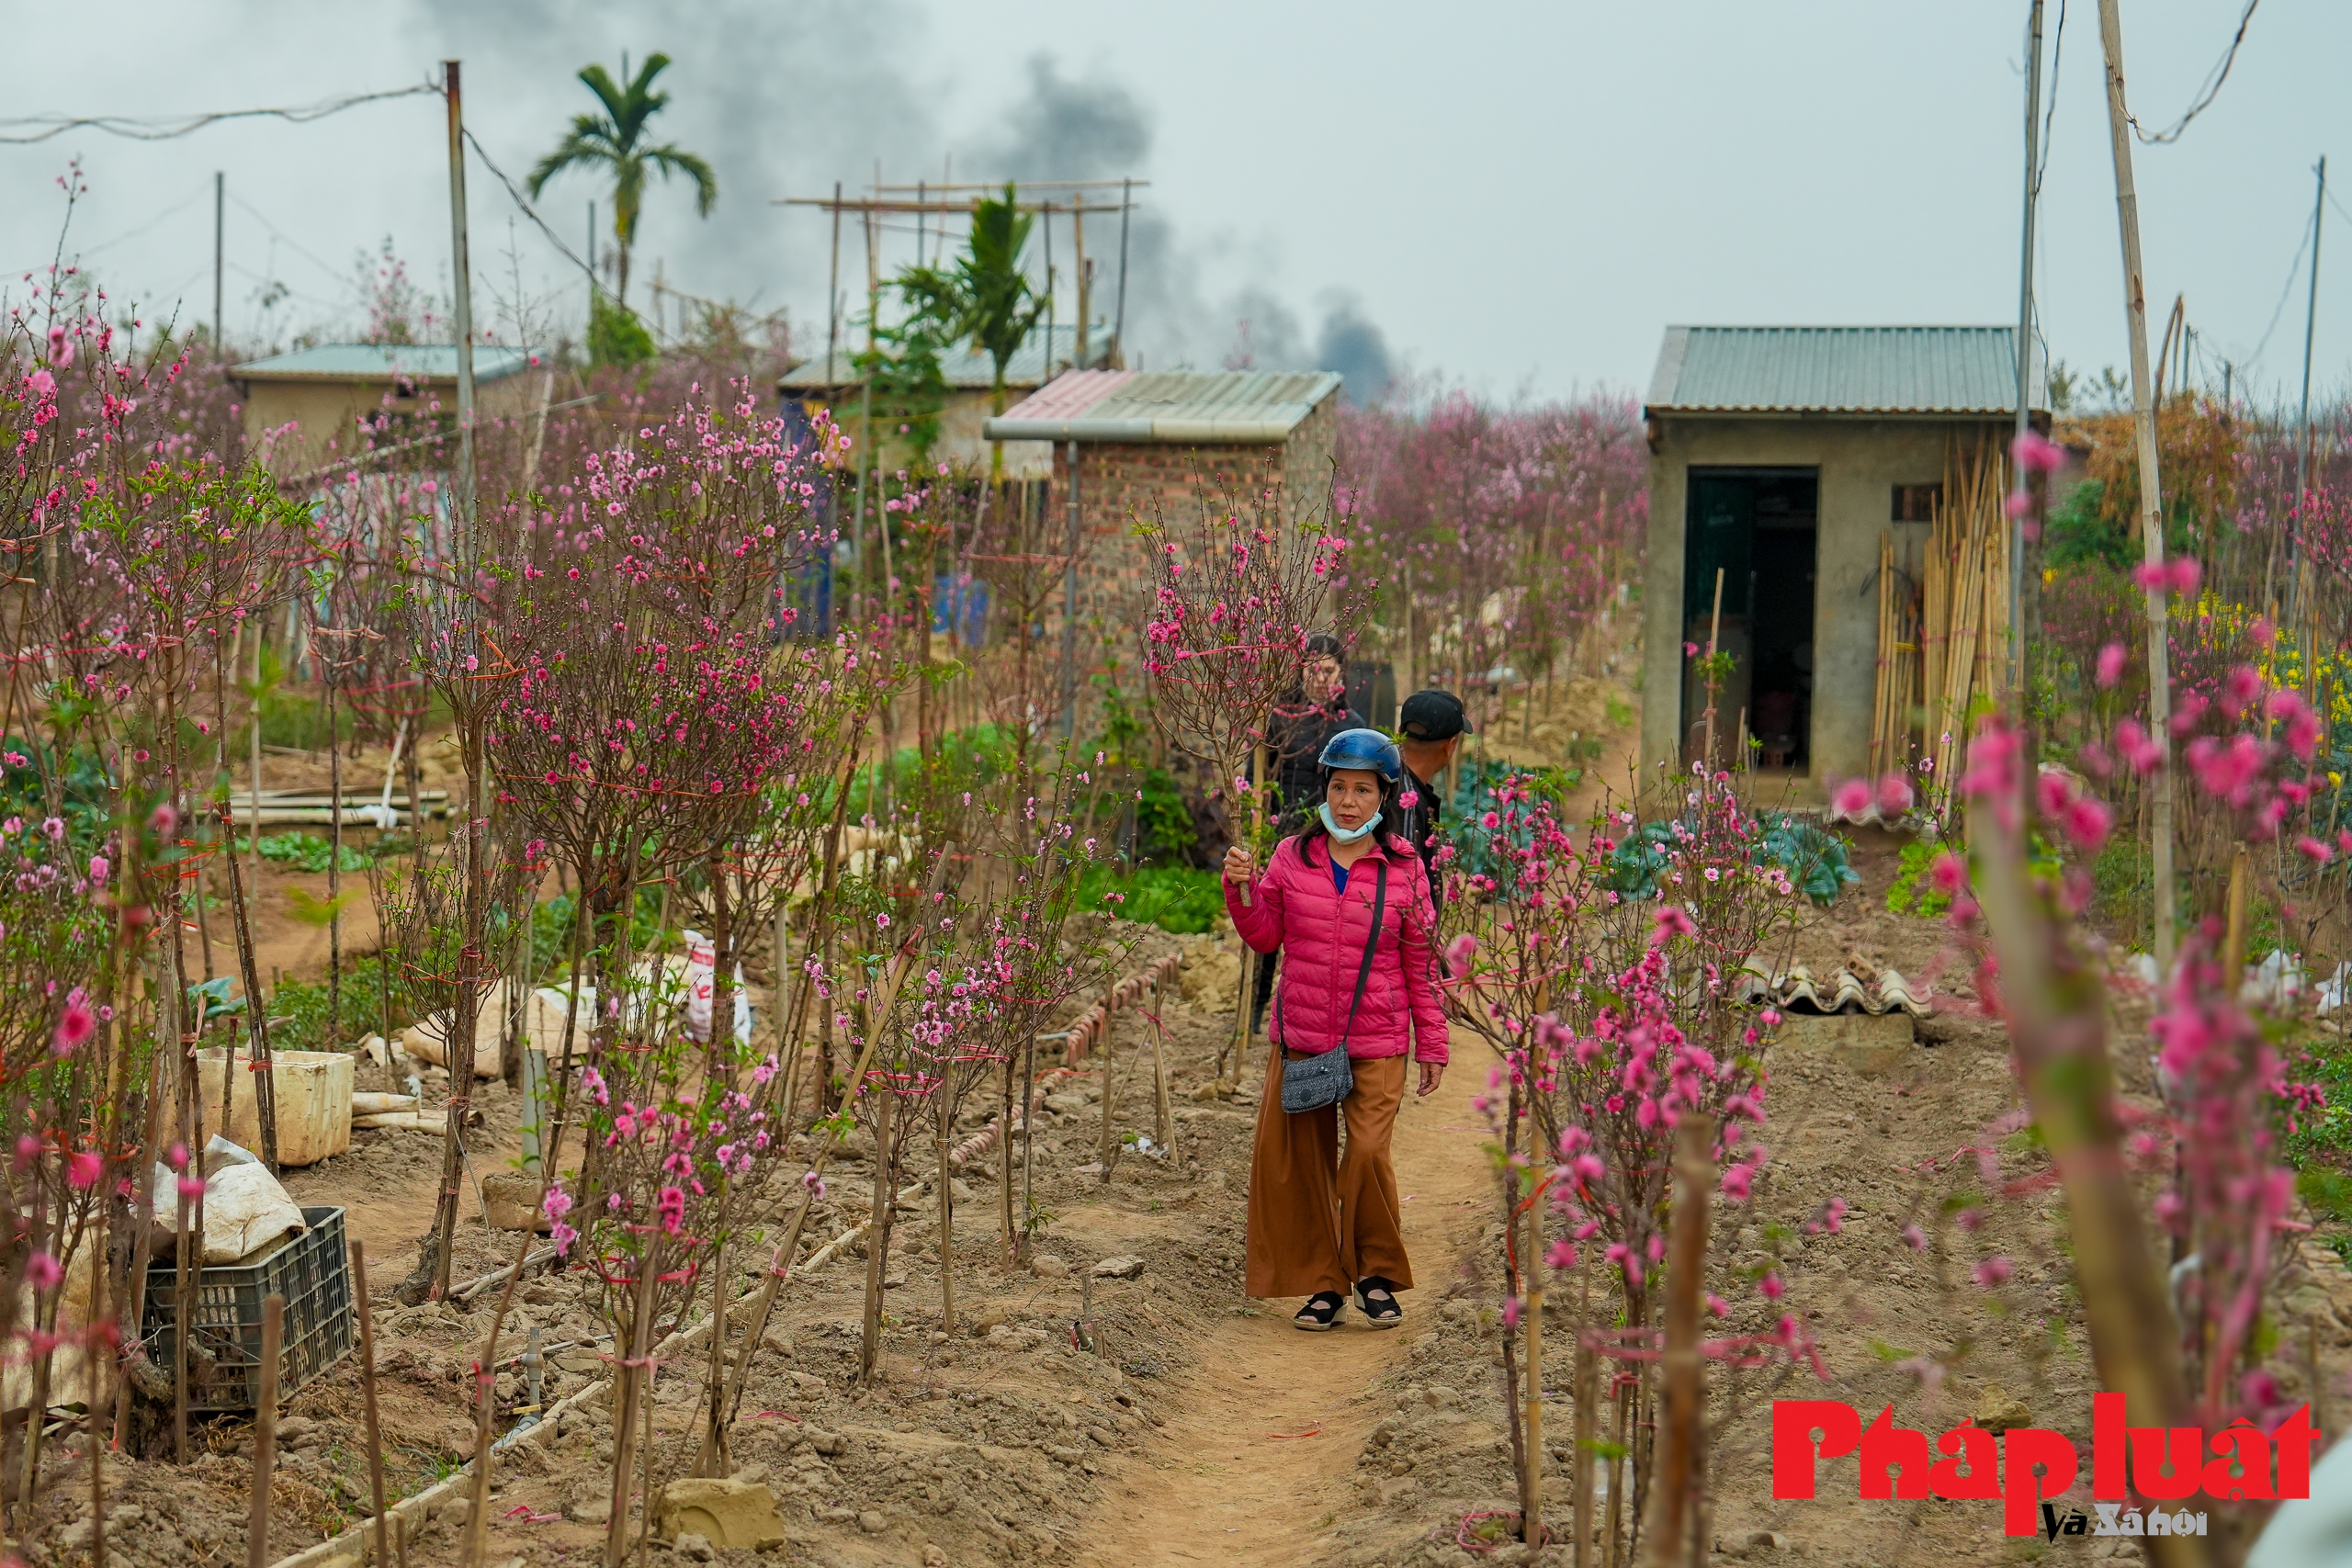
point(833, 291)
point(866, 432)
point(461, 288)
point(1070, 609)
point(2025, 343)
point(1078, 244)
point(2303, 424)
point(220, 332)
point(1119, 327)
point(2152, 530)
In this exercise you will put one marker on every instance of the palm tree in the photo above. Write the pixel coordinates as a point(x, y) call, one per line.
point(614, 142)
point(987, 298)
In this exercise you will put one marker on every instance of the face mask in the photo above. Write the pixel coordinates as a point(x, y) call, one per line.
point(1345, 835)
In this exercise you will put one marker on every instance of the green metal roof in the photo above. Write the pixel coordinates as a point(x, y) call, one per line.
point(1182, 406)
point(384, 361)
point(1917, 370)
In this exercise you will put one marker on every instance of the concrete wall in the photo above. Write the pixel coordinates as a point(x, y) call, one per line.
point(1860, 461)
point(324, 415)
point(1122, 484)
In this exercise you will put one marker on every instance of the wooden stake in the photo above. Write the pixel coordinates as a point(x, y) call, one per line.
point(1164, 1123)
point(1530, 1495)
point(1714, 631)
point(885, 1173)
point(1679, 1433)
point(367, 1399)
point(272, 1332)
point(1110, 1079)
point(1587, 1393)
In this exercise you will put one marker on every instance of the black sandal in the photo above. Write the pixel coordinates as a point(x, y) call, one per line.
point(1377, 1297)
point(1321, 1312)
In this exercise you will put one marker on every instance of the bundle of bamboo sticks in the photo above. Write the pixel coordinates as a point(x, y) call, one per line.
point(1895, 710)
point(1965, 613)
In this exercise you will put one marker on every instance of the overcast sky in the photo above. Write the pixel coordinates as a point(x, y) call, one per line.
point(1515, 198)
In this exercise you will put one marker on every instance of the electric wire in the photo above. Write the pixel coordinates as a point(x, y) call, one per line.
point(2213, 88)
point(2294, 270)
point(168, 128)
point(341, 277)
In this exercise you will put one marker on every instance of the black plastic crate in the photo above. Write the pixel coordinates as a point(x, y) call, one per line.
point(313, 1272)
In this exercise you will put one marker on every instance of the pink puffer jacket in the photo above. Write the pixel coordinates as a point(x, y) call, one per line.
point(1321, 933)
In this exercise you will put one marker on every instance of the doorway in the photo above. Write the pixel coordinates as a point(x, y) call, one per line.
point(1756, 528)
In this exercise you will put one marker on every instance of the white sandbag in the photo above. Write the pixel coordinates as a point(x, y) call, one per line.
point(402, 1120)
point(367, 1103)
point(244, 1208)
point(429, 1041)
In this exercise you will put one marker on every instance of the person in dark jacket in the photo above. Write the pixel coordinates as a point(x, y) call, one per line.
point(1297, 731)
point(1429, 729)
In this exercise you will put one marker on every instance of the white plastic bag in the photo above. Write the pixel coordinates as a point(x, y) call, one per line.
point(702, 987)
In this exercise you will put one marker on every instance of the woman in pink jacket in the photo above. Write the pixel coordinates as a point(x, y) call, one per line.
point(1323, 1224)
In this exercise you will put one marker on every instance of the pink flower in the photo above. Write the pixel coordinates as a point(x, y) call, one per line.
point(1949, 873)
point(1671, 921)
point(557, 1203)
point(1995, 1271)
point(1459, 951)
point(2087, 821)
point(1915, 1238)
point(82, 1169)
point(1895, 797)
point(43, 1272)
point(75, 1026)
point(2018, 503)
point(1770, 1288)
point(2184, 575)
point(2111, 665)
point(2037, 453)
point(191, 1188)
point(1850, 798)
point(2319, 853)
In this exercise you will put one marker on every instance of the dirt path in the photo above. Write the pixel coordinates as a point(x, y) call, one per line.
point(1235, 1483)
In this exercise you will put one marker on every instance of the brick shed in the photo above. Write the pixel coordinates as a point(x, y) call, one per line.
point(1140, 443)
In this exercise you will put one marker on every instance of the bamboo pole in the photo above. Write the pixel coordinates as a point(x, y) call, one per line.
point(273, 1333)
point(1684, 1362)
point(2152, 532)
point(1714, 631)
point(367, 1398)
point(2055, 1011)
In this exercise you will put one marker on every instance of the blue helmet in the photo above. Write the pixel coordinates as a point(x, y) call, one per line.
point(1365, 748)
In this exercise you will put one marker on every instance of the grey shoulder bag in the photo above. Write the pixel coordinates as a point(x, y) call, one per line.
point(1311, 1082)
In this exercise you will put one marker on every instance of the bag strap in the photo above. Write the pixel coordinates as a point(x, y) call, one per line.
point(1371, 943)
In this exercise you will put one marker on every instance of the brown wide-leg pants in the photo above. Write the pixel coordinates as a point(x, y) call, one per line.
point(1318, 1220)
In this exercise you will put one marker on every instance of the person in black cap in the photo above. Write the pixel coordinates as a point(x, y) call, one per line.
point(1302, 723)
point(1297, 731)
point(1429, 729)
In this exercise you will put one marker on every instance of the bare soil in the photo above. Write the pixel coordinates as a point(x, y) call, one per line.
point(1164, 1419)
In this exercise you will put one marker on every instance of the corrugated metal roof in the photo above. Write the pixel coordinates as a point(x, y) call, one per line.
point(1166, 405)
point(965, 369)
point(383, 361)
point(1839, 370)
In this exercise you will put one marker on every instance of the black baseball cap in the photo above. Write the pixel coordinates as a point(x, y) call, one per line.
point(1432, 715)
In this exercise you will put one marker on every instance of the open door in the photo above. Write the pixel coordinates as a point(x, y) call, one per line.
point(1754, 531)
